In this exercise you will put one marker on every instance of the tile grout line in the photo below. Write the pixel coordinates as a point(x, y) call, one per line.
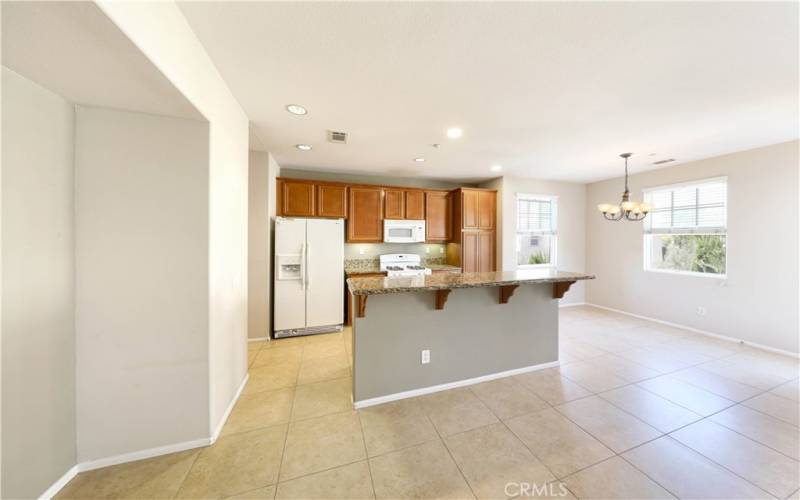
point(450, 454)
point(366, 454)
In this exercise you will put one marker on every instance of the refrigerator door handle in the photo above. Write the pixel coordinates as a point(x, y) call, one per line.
point(308, 262)
point(303, 266)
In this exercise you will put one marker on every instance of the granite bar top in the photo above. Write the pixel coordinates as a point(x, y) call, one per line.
point(362, 269)
point(446, 281)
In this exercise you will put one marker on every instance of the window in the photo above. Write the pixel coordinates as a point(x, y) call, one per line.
point(686, 231)
point(536, 230)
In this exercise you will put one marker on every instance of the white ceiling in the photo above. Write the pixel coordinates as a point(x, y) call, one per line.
point(548, 90)
point(73, 49)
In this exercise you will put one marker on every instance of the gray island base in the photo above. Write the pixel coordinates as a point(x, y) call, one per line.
point(476, 327)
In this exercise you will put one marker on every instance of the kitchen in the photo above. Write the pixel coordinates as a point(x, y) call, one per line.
point(400, 250)
point(320, 287)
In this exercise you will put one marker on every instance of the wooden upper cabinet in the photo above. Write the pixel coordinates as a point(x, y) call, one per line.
point(469, 209)
point(487, 201)
point(297, 199)
point(395, 204)
point(365, 221)
point(438, 215)
point(331, 200)
point(415, 205)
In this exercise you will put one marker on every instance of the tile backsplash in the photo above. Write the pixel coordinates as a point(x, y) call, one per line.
point(373, 250)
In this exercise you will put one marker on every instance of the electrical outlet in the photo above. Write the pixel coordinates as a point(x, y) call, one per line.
point(362, 251)
point(701, 311)
point(441, 249)
point(425, 356)
point(427, 249)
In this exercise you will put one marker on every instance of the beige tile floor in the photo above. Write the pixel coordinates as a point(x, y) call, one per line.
point(636, 410)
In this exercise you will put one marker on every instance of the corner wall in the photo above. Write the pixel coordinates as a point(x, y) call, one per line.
point(38, 282)
point(162, 33)
point(758, 302)
point(571, 244)
point(142, 317)
point(261, 184)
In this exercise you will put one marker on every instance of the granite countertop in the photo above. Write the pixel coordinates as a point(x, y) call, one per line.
point(446, 281)
point(355, 271)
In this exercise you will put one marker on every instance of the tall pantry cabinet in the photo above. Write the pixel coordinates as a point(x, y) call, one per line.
point(474, 234)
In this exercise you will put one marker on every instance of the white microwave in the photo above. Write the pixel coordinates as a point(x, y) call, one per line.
point(403, 231)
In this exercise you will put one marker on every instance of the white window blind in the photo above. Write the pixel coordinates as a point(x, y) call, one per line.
point(536, 215)
point(697, 208)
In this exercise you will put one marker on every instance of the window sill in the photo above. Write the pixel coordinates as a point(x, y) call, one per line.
point(687, 273)
point(534, 266)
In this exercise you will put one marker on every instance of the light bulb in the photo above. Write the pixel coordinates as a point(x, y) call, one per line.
point(613, 210)
point(628, 205)
point(646, 207)
point(604, 207)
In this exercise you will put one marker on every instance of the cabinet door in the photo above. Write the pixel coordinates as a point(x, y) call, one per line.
point(486, 251)
point(438, 210)
point(415, 205)
point(486, 209)
point(394, 201)
point(469, 209)
point(365, 221)
point(331, 200)
point(469, 252)
point(297, 199)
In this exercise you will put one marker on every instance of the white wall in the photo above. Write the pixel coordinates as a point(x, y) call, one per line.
point(571, 251)
point(142, 262)
point(38, 233)
point(164, 36)
point(262, 185)
point(758, 302)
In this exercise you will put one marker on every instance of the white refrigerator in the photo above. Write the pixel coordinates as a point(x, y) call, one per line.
point(309, 276)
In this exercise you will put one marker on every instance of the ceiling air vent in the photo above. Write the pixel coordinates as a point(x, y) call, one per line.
point(661, 162)
point(337, 137)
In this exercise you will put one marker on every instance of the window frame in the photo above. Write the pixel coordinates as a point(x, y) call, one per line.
point(553, 199)
point(647, 237)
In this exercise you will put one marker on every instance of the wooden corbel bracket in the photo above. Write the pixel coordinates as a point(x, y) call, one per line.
point(441, 298)
point(506, 292)
point(361, 305)
point(560, 288)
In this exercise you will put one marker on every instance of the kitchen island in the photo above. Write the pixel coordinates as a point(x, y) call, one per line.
point(475, 326)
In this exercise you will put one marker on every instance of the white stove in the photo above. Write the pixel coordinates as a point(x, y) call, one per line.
point(403, 264)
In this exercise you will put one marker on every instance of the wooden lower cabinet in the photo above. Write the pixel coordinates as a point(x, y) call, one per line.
point(477, 252)
point(486, 259)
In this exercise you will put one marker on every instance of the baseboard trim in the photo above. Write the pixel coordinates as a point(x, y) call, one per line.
point(143, 454)
point(258, 339)
point(221, 424)
point(60, 483)
point(572, 304)
point(701, 332)
point(364, 403)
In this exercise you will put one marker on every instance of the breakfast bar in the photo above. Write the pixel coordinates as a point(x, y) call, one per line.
point(418, 334)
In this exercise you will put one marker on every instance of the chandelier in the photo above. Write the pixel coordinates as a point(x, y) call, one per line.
point(627, 209)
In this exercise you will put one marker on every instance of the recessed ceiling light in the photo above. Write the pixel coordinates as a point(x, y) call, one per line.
point(419, 159)
point(496, 168)
point(454, 133)
point(296, 109)
point(304, 147)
